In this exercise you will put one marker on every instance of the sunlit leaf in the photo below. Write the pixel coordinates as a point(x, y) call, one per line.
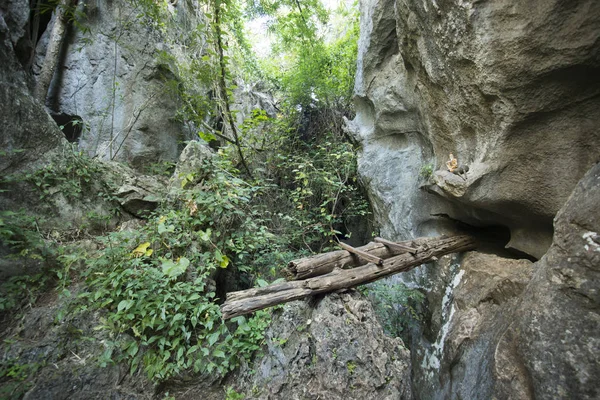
point(141, 250)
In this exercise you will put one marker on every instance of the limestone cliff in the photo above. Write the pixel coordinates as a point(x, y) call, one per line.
point(112, 80)
point(513, 91)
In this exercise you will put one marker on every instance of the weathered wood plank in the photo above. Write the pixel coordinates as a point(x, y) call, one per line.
point(322, 264)
point(395, 246)
point(362, 254)
point(247, 301)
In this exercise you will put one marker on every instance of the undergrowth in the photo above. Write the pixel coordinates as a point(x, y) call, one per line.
point(398, 307)
point(158, 287)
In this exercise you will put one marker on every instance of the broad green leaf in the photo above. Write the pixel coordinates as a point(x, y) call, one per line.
point(219, 353)
point(174, 269)
point(205, 235)
point(133, 349)
point(125, 305)
point(212, 338)
point(262, 283)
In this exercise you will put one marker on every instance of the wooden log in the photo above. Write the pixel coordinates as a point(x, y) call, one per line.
point(395, 246)
point(362, 254)
point(247, 301)
point(322, 264)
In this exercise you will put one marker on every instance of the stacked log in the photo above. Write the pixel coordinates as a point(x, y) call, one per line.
point(321, 264)
point(247, 301)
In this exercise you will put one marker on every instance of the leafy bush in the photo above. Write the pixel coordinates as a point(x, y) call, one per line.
point(13, 374)
point(426, 171)
point(397, 306)
point(157, 283)
point(318, 188)
point(72, 174)
point(19, 232)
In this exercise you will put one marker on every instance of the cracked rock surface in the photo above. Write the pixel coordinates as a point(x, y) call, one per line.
point(331, 349)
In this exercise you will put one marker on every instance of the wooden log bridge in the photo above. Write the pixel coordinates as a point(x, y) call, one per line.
point(321, 264)
point(247, 301)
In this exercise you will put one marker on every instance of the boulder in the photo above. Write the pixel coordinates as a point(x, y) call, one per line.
point(550, 350)
point(333, 349)
point(191, 161)
point(139, 194)
point(471, 304)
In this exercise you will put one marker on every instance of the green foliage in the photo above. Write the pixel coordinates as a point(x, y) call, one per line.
point(13, 374)
point(323, 73)
point(351, 366)
point(426, 171)
point(308, 67)
point(156, 282)
point(18, 291)
point(231, 394)
point(291, 21)
point(319, 190)
point(72, 174)
point(397, 306)
point(163, 168)
point(19, 231)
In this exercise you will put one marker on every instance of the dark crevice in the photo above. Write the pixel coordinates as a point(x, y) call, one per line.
point(43, 12)
point(70, 125)
point(390, 47)
point(491, 239)
point(39, 18)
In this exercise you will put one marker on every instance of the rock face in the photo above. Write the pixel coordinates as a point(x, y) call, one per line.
point(191, 161)
point(510, 329)
point(27, 132)
point(472, 305)
point(63, 357)
point(334, 349)
point(555, 334)
point(137, 194)
point(114, 81)
point(512, 90)
point(249, 97)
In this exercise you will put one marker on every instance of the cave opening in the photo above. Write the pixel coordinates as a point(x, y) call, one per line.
point(70, 125)
point(491, 238)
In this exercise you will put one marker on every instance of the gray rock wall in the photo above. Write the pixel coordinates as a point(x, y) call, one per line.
point(510, 89)
point(509, 329)
point(329, 348)
point(113, 76)
point(554, 337)
point(26, 131)
point(513, 91)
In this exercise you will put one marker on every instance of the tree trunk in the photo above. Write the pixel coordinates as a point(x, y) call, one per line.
point(247, 301)
point(226, 109)
point(57, 37)
point(322, 264)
